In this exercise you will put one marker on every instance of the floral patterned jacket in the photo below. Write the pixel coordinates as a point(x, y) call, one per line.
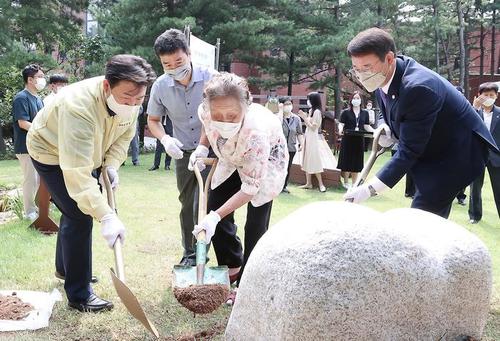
point(258, 152)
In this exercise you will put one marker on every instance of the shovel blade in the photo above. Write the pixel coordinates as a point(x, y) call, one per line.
point(132, 304)
point(184, 276)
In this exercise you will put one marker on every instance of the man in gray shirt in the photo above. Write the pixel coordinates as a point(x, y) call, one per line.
point(177, 94)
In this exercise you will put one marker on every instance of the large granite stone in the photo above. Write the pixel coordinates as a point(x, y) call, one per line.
point(340, 271)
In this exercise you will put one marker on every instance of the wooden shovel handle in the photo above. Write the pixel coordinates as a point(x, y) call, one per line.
point(203, 190)
point(117, 247)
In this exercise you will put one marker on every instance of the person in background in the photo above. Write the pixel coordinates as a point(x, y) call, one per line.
point(351, 154)
point(443, 142)
point(134, 144)
point(311, 155)
point(373, 123)
point(292, 129)
point(88, 128)
point(167, 126)
point(56, 82)
point(252, 151)
point(484, 103)
point(25, 107)
point(177, 94)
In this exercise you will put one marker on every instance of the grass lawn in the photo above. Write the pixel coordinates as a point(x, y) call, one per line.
point(148, 205)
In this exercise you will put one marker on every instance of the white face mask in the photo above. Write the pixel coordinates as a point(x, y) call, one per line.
point(40, 84)
point(309, 103)
point(125, 112)
point(356, 102)
point(179, 73)
point(489, 102)
point(226, 129)
point(287, 109)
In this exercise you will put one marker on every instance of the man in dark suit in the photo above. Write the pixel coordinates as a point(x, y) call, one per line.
point(490, 113)
point(443, 143)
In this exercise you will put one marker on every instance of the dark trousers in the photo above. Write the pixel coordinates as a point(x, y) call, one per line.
point(409, 184)
point(188, 197)
point(290, 161)
point(74, 240)
point(440, 207)
point(158, 151)
point(475, 200)
point(227, 245)
point(461, 195)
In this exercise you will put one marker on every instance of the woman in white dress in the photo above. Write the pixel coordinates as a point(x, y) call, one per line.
point(311, 158)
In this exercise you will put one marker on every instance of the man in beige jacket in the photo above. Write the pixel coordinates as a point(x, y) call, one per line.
point(86, 127)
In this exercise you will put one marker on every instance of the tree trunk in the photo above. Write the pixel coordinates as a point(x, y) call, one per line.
point(379, 14)
point(290, 73)
point(481, 49)
point(337, 90)
point(466, 54)
point(3, 147)
point(493, 42)
point(462, 43)
point(436, 32)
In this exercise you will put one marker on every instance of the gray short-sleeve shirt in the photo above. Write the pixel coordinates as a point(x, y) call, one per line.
point(169, 97)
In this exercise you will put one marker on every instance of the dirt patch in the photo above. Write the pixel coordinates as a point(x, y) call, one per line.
point(202, 299)
point(12, 308)
point(204, 335)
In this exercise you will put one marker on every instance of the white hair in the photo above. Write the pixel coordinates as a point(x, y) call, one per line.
point(227, 84)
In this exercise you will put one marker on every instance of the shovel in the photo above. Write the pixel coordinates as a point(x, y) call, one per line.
point(376, 152)
point(187, 280)
point(128, 298)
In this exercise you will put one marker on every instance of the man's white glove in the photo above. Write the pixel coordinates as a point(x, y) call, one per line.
point(114, 179)
point(209, 223)
point(112, 228)
point(200, 152)
point(366, 190)
point(172, 146)
point(387, 139)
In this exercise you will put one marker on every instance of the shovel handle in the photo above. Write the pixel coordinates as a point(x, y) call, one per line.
point(376, 152)
point(117, 247)
point(203, 190)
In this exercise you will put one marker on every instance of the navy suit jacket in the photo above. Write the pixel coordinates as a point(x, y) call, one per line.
point(494, 157)
point(443, 143)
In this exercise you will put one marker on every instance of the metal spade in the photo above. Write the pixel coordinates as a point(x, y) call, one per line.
point(128, 298)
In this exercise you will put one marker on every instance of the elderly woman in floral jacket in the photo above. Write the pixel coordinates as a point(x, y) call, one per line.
point(253, 157)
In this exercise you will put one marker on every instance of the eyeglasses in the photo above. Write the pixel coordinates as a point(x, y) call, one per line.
point(355, 73)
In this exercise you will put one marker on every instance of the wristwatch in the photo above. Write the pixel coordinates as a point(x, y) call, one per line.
point(372, 190)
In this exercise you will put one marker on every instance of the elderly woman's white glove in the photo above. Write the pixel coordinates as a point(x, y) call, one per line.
point(388, 139)
point(209, 223)
point(200, 152)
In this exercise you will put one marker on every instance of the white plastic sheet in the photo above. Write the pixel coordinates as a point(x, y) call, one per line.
point(42, 302)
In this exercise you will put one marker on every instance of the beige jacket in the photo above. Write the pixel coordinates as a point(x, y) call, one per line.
point(77, 132)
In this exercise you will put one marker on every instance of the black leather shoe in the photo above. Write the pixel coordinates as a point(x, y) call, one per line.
point(285, 190)
point(93, 279)
point(154, 168)
point(188, 261)
point(92, 304)
point(461, 202)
